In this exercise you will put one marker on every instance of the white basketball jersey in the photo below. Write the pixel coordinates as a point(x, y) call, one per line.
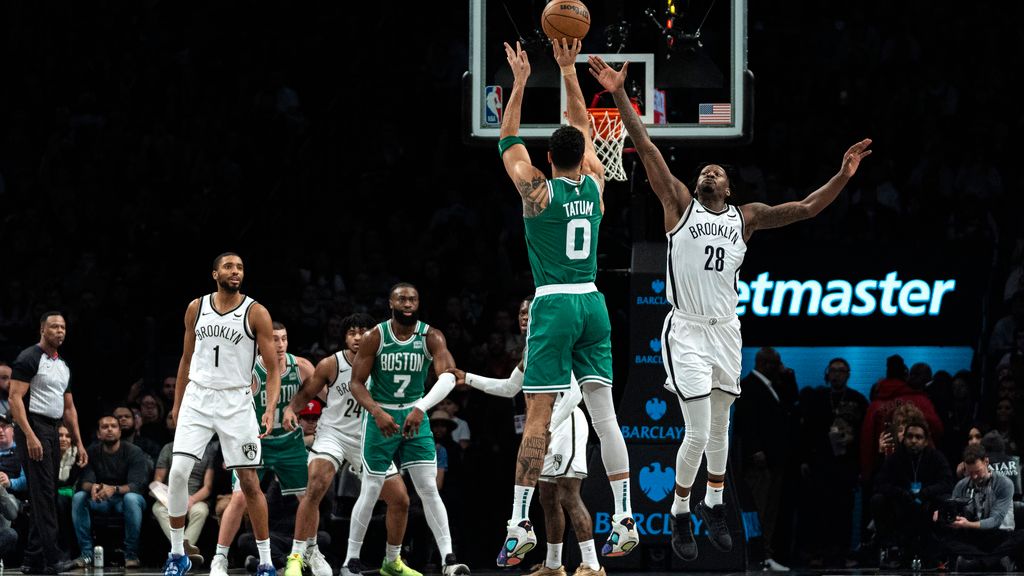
point(225, 350)
point(705, 252)
point(342, 413)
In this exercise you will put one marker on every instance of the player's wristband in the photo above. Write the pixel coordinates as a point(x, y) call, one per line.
point(507, 142)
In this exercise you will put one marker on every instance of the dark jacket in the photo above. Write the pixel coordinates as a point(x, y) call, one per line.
point(902, 469)
point(887, 393)
point(764, 423)
point(129, 465)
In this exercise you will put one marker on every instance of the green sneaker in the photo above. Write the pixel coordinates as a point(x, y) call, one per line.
point(294, 566)
point(396, 568)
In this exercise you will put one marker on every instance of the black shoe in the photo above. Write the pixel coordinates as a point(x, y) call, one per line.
point(62, 566)
point(354, 567)
point(718, 529)
point(683, 542)
point(452, 567)
point(31, 567)
point(1007, 564)
point(967, 564)
point(252, 563)
point(890, 558)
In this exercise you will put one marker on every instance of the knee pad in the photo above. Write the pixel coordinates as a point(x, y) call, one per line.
point(177, 484)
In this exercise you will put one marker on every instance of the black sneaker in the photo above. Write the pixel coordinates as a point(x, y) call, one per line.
point(1007, 564)
point(718, 529)
point(683, 542)
point(354, 567)
point(452, 567)
point(967, 564)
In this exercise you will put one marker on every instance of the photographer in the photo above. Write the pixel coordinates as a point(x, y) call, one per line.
point(913, 481)
point(977, 523)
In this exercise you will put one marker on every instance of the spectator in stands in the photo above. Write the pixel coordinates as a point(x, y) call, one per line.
point(764, 422)
point(126, 421)
point(979, 528)
point(974, 436)
point(831, 417)
point(309, 417)
point(200, 488)
point(1001, 462)
point(959, 415)
point(154, 425)
point(893, 389)
point(12, 474)
point(912, 483)
point(10, 507)
point(67, 478)
point(461, 434)
point(1003, 338)
point(1007, 427)
point(442, 425)
point(5, 387)
point(112, 482)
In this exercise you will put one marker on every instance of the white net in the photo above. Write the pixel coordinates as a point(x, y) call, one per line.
point(609, 137)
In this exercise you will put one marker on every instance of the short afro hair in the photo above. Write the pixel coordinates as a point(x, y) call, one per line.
point(567, 147)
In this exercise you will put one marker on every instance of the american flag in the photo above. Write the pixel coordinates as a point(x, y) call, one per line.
point(714, 114)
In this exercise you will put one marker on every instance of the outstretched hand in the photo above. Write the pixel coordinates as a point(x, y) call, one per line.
point(566, 52)
point(611, 79)
point(519, 62)
point(853, 156)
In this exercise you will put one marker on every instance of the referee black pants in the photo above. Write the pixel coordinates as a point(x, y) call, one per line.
point(42, 490)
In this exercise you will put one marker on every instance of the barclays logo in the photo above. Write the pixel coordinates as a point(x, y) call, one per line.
point(655, 345)
point(658, 299)
point(657, 482)
point(656, 408)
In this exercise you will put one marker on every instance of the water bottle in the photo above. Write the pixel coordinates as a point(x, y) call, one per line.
point(97, 557)
point(915, 564)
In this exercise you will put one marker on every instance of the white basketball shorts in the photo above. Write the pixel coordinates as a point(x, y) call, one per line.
point(331, 445)
point(701, 353)
point(228, 413)
point(567, 451)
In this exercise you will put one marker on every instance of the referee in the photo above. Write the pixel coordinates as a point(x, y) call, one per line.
point(41, 399)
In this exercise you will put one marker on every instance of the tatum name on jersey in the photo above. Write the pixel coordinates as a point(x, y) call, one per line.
point(562, 240)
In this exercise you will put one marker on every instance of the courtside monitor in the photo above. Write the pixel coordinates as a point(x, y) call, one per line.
point(687, 67)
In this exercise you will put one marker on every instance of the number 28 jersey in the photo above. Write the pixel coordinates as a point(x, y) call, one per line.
point(225, 348)
point(705, 252)
point(562, 240)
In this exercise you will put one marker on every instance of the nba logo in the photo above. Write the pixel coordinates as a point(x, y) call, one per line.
point(492, 105)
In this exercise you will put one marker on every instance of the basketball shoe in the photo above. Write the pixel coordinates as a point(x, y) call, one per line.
point(519, 540)
point(623, 537)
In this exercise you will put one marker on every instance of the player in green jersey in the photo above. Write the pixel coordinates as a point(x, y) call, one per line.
point(284, 452)
point(569, 330)
point(397, 355)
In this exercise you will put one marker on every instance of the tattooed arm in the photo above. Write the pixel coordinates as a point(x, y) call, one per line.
point(530, 181)
point(674, 195)
point(758, 216)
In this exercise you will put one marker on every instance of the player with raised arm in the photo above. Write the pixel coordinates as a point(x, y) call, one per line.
point(707, 239)
point(389, 375)
point(213, 395)
point(569, 328)
point(284, 452)
point(338, 440)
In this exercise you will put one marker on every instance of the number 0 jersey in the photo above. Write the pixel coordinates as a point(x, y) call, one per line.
point(342, 414)
point(705, 252)
point(399, 374)
point(562, 240)
point(225, 349)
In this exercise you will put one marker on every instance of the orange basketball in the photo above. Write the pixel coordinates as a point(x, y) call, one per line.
point(565, 19)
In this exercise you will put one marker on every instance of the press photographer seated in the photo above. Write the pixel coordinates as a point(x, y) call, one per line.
point(977, 523)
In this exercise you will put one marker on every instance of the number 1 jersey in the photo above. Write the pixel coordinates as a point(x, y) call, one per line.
point(705, 252)
point(225, 349)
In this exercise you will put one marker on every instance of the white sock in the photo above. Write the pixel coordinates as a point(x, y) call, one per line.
point(222, 550)
point(554, 555)
point(353, 550)
point(392, 552)
point(311, 544)
point(620, 491)
point(299, 547)
point(521, 503)
point(713, 497)
point(680, 505)
point(590, 554)
point(178, 541)
point(264, 547)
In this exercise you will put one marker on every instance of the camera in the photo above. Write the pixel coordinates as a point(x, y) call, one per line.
point(951, 508)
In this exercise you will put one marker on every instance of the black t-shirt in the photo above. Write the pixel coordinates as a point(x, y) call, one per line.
point(49, 378)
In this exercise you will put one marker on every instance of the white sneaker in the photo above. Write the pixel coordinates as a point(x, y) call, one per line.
point(773, 566)
point(317, 563)
point(519, 540)
point(623, 538)
point(219, 565)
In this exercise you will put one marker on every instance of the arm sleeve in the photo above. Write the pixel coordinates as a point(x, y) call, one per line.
point(1002, 492)
point(19, 484)
point(566, 404)
point(444, 385)
point(505, 387)
point(26, 365)
point(88, 473)
point(138, 470)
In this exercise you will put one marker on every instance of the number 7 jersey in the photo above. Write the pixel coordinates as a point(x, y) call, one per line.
point(400, 368)
point(562, 240)
point(705, 252)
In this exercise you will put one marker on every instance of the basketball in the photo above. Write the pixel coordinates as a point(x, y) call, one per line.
point(565, 19)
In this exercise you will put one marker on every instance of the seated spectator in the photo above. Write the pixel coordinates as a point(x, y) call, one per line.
point(1006, 425)
point(200, 488)
point(67, 478)
point(12, 475)
point(281, 514)
point(126, 420)
point(442, 425)
point(308, 419)
point(912, 483)
point(978, 524)
point(973, 439)
point(5, 387)
point(10, 507)
point(154, 423)
point(461, 434)
point(1001, 462)
point(112, 481)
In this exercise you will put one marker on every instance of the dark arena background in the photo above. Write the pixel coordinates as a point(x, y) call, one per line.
point(342, 147)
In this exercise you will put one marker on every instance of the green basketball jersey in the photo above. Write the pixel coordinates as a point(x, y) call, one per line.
point(291, 381)
point(562, 240)
point(399, 374)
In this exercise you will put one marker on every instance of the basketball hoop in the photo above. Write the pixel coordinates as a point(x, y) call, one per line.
point(609, 137)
